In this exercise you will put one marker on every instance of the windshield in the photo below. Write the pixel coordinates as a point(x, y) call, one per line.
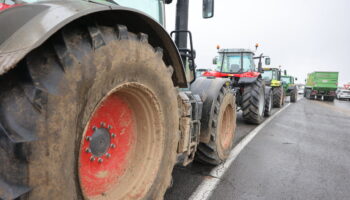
point(154, 8)
point(235, 63)
point(267, 75)
point(286, 79)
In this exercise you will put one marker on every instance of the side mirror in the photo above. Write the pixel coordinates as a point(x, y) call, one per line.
point(296, 78)
point(267, 61)
point(215, 60)
point(208, 8)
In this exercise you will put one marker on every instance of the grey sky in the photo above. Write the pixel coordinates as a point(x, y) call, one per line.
point(301, 35)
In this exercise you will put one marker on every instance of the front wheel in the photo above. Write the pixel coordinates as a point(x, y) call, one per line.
point(222, 130)
point(278, 96)
point(294, 95)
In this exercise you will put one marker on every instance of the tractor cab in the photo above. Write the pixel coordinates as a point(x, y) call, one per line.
point(237, 63)
point(272, 76)
point(234, 61)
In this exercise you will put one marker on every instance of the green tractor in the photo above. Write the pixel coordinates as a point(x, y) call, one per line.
point(290, 89)
point(272, 77)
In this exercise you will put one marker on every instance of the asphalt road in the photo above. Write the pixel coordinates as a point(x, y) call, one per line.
point(304, 153)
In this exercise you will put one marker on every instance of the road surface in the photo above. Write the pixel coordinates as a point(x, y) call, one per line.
point(303, 153)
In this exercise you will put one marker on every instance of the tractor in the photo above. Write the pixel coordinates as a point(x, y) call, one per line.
point(290, 89)
point(272, 77)
point(98, 102)
point(252, 96)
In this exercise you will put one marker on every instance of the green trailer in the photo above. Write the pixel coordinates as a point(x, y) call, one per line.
point(321, 85)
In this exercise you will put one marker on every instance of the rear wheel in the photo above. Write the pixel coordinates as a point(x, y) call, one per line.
point(103, 108)
point(253, 102)
point(222, 132)
point(278, 97)
point(268, 103)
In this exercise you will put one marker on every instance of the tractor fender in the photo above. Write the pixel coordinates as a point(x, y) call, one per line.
point(247, 80)
point(208, 89)
point(29, 26)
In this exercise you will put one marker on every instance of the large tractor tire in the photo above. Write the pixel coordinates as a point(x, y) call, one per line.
point(294, 95)
point(222, 132)
point(268, 103)
point(253, 102)
point(278, 97)
point(91, 114)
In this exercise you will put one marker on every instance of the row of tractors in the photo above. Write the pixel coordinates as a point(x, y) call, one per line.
point(97, 101)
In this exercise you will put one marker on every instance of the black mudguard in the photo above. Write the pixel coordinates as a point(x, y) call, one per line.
point(26, 27)
point(208, 89)
point(247, 80)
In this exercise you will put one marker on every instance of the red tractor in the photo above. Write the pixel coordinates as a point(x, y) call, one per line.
point(252, 96)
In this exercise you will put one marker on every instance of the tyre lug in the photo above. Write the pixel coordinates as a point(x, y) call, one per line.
point(92, 158)
point(112, 145)
point(100, 160)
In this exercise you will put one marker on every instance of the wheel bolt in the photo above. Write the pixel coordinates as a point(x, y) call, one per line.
point(100, 160)
point(88, 138)
point(110, 127)
point(103, 124)
point(88, 150)
point(92, 159)
point(113, 135)
point(108, 155)
point(94, 128)
point(112, 145)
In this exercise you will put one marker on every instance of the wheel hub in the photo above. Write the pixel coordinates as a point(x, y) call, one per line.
point(100, 142)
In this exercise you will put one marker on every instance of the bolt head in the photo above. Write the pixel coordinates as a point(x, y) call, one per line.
point(110, 126)
point(113, 146)
point(100, 160)
point(88, 150)
point(94, 128)
point(92, 158)
point(103, 124)
point(88, 138)
point(113, 135)
point(108, 155)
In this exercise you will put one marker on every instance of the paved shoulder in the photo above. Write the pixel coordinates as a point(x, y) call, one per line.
point(302, 154)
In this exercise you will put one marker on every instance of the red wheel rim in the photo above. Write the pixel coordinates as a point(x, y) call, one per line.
point(126, 134)
point(99, 173)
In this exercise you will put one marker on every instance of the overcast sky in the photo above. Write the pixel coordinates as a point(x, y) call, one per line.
point(300, 35)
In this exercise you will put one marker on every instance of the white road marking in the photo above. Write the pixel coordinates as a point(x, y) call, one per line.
point(206, 188)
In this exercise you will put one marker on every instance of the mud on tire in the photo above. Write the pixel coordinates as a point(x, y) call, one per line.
point(47, 101)
point(222, 133)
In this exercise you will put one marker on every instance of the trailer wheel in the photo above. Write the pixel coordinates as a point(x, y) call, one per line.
point(100, 105)
point(253, 102)
point(294, 95)
point(268, 104)
point(278, 97)
point(222, 133)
